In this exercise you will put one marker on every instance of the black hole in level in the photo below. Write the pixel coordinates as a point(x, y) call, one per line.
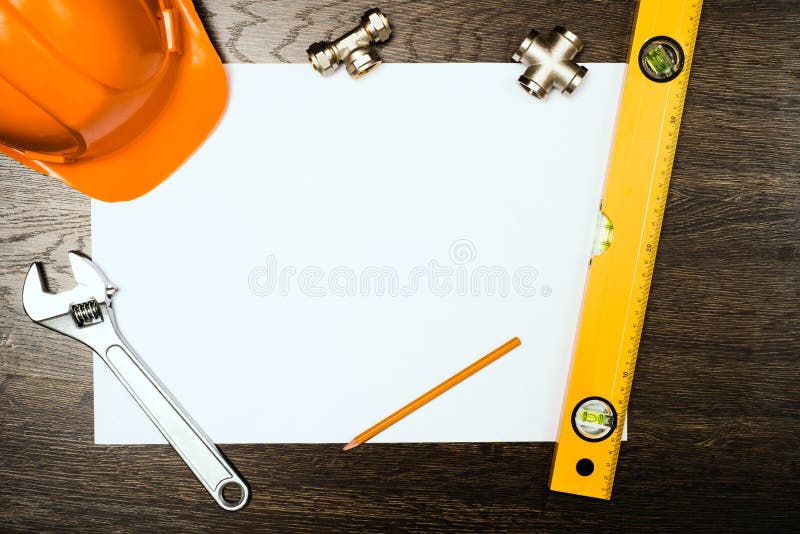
point(585, 467)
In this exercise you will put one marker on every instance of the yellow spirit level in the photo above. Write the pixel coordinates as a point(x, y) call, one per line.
point(596, 402)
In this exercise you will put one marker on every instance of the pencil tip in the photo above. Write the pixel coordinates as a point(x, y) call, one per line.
point(351, 445)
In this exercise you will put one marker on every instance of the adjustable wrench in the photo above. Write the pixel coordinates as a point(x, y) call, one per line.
point(85, 313)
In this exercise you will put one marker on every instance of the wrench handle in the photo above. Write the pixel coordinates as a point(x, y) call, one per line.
point(193, 446)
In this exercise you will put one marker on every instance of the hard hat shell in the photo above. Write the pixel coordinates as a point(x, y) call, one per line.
point(110, 97)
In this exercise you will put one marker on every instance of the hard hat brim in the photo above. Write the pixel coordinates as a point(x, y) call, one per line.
point(191, 112)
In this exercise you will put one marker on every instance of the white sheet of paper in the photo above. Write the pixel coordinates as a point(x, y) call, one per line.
point(250, 281)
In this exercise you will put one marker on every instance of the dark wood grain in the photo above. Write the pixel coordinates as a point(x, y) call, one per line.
point(713, 439)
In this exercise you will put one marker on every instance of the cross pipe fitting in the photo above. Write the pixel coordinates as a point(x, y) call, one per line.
point(354, 48)
point(549, 59)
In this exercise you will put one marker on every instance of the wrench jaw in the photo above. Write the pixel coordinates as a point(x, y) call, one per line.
point(88, 275)
point(58, 310)
point(34, 301)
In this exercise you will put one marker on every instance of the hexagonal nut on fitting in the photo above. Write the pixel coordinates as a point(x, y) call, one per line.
point(550, 62)
point(322, 58)
point(361, 61)
point(354, 49)
point(377, 25)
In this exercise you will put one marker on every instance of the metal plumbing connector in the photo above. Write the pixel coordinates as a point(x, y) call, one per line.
point(354, 48)
point(549, 59)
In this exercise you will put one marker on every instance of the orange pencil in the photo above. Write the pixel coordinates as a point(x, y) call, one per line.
point(457, 378)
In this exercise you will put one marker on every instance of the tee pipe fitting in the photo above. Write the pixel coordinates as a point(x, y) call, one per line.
point(549, 59)
point(354, 48)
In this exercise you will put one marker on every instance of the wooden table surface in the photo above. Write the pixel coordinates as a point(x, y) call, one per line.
point(714, 415)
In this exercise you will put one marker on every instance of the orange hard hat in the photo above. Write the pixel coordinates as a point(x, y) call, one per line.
point(110, 97)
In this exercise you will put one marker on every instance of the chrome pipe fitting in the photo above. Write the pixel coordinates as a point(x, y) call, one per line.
point(354, 49)
point(549, 59)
